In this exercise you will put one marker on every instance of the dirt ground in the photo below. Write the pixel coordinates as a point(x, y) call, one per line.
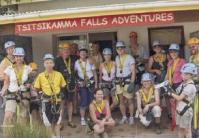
point(120, 131)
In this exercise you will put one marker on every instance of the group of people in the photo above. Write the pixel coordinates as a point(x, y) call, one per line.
point(140, 85)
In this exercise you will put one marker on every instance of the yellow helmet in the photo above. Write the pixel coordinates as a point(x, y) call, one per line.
point(64, 46)
point(33, 66)
point(193, 40)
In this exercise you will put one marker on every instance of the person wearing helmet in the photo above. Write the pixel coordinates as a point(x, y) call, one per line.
point(87, 81)
point(15, 80)
point(184, 96)
point(193, 44)
point(34, 96)
point(148, 100)
point(107, 76)
point(158, 62)
point(9, 59)
point(51, 83)
point(174, 77)
point(65, 64)
point(125, 78)
point(140, 54)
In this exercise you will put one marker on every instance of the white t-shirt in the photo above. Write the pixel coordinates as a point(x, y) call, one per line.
point(190, 91)
point(13, 86)
point(86, 65)
point(126, 71)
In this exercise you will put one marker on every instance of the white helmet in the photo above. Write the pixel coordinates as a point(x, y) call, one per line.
point(9, 44)
point(48, 56)
point(189, 68)
point(156, 43)
point(19, 51)
point(174, 46)
point(120, 44)
point(147, 77)
point(107, 51)
point(82, 47)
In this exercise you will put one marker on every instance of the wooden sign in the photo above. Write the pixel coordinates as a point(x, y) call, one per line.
point(96, 22)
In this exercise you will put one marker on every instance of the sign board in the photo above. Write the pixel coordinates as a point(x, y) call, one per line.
point(97, 22)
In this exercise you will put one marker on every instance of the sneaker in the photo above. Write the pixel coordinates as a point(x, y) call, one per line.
point(83, 122)
point(158, 131)
point(123, 121)
point(131, 121)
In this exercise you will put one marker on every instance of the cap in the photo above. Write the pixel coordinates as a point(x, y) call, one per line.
point(156, 43)
point(33, 66)
point(120, 44)
point(174, 46)
point(19, 51)
point(48, 56)
point(9, 44)
point(107, 51)
point(189, 68)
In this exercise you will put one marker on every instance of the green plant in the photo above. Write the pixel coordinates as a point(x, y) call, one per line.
point(24, 131)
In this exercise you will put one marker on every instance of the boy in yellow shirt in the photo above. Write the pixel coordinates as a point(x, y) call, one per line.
point(51, 82)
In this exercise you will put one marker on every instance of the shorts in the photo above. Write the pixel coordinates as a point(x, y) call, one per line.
point(10, 106)
point(52, 117)
point(24, 108)
point(107, 92)
point(86, 97)
point(107, 88)
point(69, 96)
point(34, 106)
point(185, 120)
point(156, 110)
point(123, 91)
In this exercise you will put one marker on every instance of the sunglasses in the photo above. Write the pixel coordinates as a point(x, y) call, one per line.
point(20, 56)
point(120, 48)
point(173, 51)
point(156, 46)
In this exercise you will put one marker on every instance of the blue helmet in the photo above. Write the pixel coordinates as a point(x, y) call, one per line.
point(189, 68)
point(48, 56)
point(19, 51)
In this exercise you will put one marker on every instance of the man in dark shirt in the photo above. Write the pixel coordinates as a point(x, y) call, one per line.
point(65, 64)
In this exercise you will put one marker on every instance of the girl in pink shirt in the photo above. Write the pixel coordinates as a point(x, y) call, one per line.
point(174, 77)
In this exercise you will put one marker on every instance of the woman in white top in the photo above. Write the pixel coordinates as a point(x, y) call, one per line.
point(107, 75)
point(15, 80)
